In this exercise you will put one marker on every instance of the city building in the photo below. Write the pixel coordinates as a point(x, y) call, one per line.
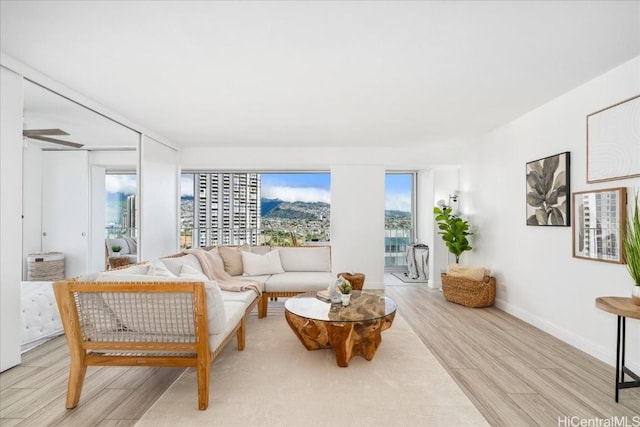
point(227, 209)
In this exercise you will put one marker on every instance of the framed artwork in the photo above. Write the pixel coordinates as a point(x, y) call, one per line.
point(613, 142)
point(598, 218)
point(548, 201)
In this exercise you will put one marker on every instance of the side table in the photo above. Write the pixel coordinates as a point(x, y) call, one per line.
point(623, 308)
point(356, 280)
point(118, 261)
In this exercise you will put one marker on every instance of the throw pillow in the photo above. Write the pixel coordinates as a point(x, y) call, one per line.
point(256, 265)
point(188, 272)
point(174, 265)
point(216, 314)
point(232, 259)
point(157, 268)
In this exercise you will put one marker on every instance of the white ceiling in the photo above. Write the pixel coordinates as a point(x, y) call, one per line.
point(321, 73)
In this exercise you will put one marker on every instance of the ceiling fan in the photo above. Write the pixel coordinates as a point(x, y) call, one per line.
point(42, 135)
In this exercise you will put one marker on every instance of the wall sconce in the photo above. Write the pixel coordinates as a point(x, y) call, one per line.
point(453, 203)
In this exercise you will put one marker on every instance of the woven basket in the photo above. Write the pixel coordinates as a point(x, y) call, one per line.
point(470, 293)
point(45, 267)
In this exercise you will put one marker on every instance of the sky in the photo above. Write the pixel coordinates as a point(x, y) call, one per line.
point(120, 183)
point(291, 187)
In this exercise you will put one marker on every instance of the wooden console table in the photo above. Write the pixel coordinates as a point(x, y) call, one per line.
point(623, 308)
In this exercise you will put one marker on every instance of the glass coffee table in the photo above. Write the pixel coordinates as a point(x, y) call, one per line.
point(349, 331)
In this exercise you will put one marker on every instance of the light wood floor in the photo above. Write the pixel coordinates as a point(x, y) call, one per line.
point(515, 374)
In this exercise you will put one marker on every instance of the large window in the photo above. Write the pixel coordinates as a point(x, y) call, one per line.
point(120, 213)
point(225, 208)
point(399, 218)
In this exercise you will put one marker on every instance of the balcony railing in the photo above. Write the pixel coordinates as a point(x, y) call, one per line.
point(395, 247)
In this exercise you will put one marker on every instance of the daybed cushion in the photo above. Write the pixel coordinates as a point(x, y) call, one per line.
point(305, 258)
point(235, 311)
point(245, 297)
point(262, 279)
point(256, 264)
point(215, 304)
point(298, 281)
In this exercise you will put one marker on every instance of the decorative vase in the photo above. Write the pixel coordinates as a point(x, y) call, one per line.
point(635, 294)
point(345, 298)
point(334, 293)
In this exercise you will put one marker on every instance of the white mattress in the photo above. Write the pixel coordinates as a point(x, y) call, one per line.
point(40, 316)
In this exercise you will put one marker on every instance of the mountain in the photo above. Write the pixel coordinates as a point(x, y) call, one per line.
point(267, 205)
point(295, 210)
point(397, 214)
point(278, 209)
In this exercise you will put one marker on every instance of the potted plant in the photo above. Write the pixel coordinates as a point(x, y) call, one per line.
point(345, 290)
point(631, 244)
point(116, 249)
point(454, 231)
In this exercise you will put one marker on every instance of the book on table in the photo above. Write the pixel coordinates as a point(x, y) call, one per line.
point(323, 295)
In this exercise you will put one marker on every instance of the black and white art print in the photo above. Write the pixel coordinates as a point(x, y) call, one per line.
point(548, 201)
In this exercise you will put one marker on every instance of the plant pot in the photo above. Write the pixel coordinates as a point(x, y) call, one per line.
point(635, 294)
point(345, 298)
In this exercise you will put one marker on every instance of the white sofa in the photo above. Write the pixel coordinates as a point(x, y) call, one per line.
point(161, 313)
point(295, 269)
point(168, 313)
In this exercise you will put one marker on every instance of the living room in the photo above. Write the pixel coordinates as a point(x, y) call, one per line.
point(581, 71)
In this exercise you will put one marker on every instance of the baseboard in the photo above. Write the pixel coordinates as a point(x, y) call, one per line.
point(606, 355)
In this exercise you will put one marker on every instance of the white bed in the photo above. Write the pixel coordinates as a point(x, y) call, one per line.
point(40, 318)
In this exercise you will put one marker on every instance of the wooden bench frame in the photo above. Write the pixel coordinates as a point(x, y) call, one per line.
point(85, 353)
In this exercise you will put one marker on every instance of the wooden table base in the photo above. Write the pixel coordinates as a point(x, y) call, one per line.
point(347, 339)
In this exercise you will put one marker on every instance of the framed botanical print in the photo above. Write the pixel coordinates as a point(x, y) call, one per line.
point(548, 201)
point(599, 216)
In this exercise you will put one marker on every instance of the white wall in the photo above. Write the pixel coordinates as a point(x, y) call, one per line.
point(11, 101)
point(538, 279)
point(158, 188)
point(445, 183)
point(317, 158)
point(357, 222)
point(31, 202)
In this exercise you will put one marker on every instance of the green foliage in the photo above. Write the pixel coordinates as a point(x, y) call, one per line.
point(454, 231)
point(631, 243)
point(344, 287)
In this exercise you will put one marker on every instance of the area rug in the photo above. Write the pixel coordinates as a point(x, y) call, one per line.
point(406, 279)
point(275, 381)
